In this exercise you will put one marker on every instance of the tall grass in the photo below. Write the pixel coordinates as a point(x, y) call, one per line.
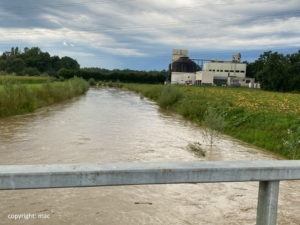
point(18, 98)
point(265, 119)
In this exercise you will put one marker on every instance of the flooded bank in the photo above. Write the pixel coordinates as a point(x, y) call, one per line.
point(111, 125)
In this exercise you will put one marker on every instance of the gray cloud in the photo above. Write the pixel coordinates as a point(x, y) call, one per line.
point(145, 28)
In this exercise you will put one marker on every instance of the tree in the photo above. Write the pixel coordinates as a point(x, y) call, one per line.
point(69, 63)
point(15, 65)
point(251, 70)
point(55, 63)
point(213, 124)
point(31, 71)
point(278, 72)
point(3, 64)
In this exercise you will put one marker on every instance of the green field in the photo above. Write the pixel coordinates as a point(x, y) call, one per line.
point(270, 120)
point(20, 95)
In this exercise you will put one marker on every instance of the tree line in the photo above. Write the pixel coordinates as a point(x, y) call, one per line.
point(33, 61)
point(276, 72)
point(131, 76)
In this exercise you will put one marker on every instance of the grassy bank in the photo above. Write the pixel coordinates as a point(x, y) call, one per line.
point(18, 97)
point(270, 120)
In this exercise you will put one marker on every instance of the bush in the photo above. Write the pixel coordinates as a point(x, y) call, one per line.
point(292, 142)
point(213, 125)
point(92, 81)
point(169, 96)
point(31, 71)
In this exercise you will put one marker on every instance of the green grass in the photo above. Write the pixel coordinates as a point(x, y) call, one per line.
point(258, 117)
point(18, 98)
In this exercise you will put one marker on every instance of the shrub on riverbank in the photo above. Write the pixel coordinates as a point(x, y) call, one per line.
point(258, 117)
point(18, 98)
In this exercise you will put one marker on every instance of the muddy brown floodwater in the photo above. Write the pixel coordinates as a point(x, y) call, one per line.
point(111, 125)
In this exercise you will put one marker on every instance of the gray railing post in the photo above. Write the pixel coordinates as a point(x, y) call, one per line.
point(267, 203)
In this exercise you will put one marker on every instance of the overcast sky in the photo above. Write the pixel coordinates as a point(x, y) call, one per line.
point(140, 34)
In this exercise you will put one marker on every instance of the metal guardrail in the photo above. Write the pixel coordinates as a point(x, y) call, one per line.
point(268, 173)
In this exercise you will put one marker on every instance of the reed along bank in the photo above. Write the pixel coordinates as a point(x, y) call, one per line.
point(23, 95)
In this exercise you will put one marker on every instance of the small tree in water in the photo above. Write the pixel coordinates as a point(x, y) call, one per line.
point(213, 124)
point(292, 142)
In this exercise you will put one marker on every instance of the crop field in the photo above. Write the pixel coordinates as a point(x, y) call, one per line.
point(251, 99)
point(270, 120)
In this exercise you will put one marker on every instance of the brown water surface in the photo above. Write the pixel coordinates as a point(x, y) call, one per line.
point(111, 125)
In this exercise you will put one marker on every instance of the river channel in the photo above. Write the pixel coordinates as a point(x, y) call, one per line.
point(112, 125)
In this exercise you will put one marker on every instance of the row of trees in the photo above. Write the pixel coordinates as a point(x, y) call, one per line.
point(33, 61)
point(116, 75)
point(276, 72)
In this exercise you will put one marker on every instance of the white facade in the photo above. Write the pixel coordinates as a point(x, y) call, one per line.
point(222, 70)
point(183, 78)
point(204, 78)
point(242, 82)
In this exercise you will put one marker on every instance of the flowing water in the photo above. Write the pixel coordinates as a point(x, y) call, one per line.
point(111, 125)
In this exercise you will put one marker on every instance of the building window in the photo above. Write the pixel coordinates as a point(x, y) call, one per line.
point(231, 71)
point(226, 70)
point(237, 71)
point(221, 70)
point(242, 71)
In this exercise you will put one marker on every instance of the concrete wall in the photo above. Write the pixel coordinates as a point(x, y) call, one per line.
point(182, 78)
point(238, 81)
point(206, 77)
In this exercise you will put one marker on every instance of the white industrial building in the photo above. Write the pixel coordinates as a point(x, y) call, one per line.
point(214, 72)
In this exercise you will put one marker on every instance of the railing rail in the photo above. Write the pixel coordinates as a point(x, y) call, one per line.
point(268, 173)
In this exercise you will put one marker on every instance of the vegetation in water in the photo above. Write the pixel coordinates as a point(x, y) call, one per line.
point(292, 142)
point(196, 147)
point(213, 124)
point(258, 117)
